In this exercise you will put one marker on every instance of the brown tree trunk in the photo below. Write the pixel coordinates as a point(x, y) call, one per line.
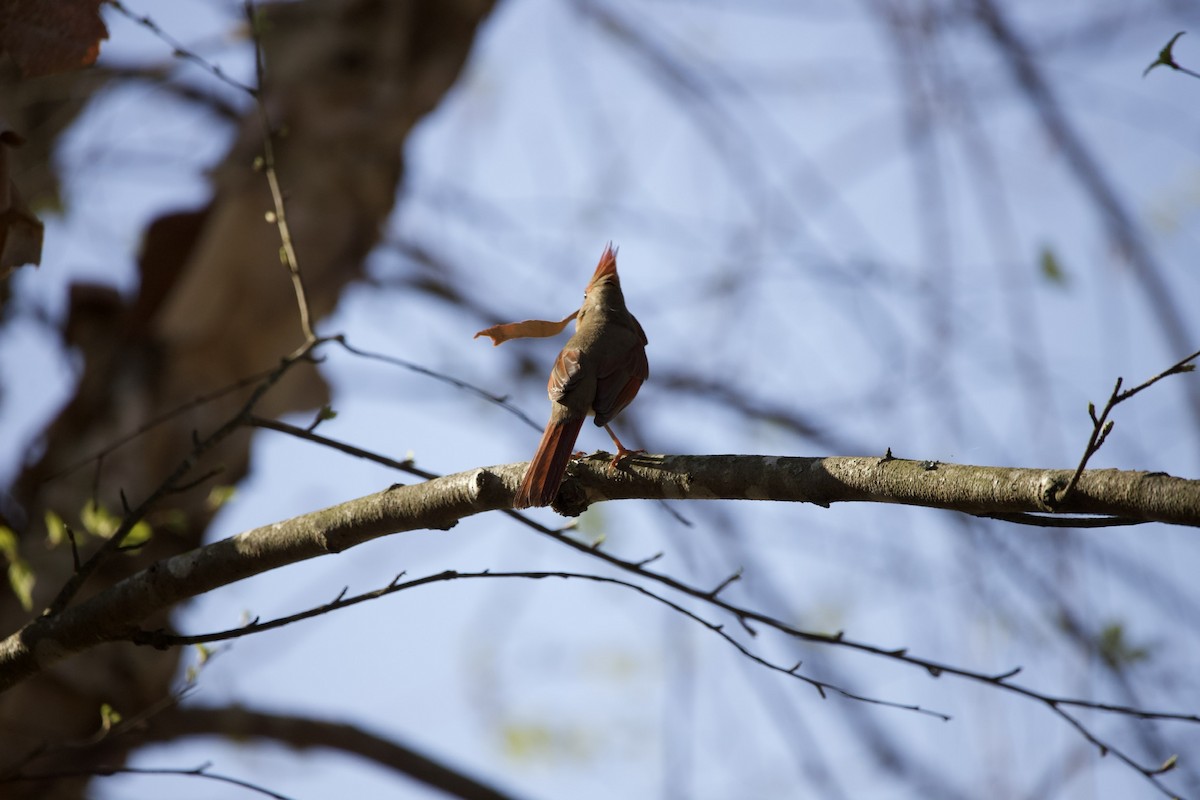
point(347, 80)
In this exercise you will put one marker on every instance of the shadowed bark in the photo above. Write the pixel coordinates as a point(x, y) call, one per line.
point(347, 80)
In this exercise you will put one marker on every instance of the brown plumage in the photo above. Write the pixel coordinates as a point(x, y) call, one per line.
point(599, 372)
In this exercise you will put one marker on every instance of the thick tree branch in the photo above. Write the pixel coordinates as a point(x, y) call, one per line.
point(305, 733)
point(114, 614)
point(1127, 495)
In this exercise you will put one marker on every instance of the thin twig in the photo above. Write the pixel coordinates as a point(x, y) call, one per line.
point(342, 447)
point(161, 639)
point(179, 50)
point(933, 668)
point(105, 772)
point(166, 416)
point(199, 447)
point(1102, 425)
point(1041, 521)
point(499, 400)
point(287, 250)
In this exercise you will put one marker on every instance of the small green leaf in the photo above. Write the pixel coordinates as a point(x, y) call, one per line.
point(1168, 765)
point(1165, 57)
point(218, 496)
point(8, 543)
point(1115, 648)
point(138, 535)
point(173, 519)
point(20, 574)
point(528, 741)
point(22, 579)
point(326, 413)
point(98, 520)
point(56, 529)
point(109, 717)
point(1051, 267)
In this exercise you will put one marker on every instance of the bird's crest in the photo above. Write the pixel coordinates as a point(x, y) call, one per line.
point(607, 268)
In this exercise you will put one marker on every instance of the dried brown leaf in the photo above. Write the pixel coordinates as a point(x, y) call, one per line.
point(525, 329)
point(46, 37)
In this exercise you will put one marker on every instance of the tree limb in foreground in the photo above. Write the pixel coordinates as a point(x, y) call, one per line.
point(114, 613)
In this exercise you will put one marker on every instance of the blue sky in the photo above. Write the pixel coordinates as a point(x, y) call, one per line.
point(789, 227)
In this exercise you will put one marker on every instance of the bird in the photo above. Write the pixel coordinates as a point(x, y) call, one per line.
point(599, 372)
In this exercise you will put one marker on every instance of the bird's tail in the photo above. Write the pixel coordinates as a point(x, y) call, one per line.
point(549, 463)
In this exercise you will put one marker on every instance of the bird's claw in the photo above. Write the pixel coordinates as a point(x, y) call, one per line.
point(622, 453)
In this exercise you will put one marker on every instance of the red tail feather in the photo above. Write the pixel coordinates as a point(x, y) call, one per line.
point(549, 463)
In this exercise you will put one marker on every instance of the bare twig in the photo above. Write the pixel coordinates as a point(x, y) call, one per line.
point(183, 408)
point(1102, 425)
point(179, 50)
point(1089, 171)
point(287, 250)
point(935, 669)
point(161, 639)
point(342, 447)
point(305, 732)
point(1043, 521)
point(500, 400)
point(199, 447)
point(105, 772)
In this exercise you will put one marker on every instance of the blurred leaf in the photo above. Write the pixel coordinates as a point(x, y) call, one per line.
point(1116, 649)
point(591, 526)
point(173, 519)
point(524, 742)
point(535, 741)
point(218, 496)
point(109, 717)
point(56, 529)
point(20, 574)
point(138, 535)
point(98, 520)
point(1165, 57)
point(8, 543)
point(22, 579)
point(1051, 268)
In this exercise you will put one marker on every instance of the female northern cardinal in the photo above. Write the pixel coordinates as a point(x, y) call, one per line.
point(599, 371)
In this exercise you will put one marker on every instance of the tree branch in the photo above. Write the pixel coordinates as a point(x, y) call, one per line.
point(305, 733)
point(979, 490)
point(107, 772)
point(1102, 425)
point(163, 639)
point(114, 613)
